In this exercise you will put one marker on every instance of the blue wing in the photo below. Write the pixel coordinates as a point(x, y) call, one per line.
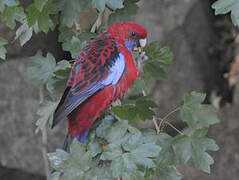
point(73, 100)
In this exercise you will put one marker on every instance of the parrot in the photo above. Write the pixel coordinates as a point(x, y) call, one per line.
point(100, 75)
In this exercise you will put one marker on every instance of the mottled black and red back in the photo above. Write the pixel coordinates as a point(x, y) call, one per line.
point(93, 63)
point(90, 68)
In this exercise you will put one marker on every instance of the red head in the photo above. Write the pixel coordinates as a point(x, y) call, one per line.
point(128, 33)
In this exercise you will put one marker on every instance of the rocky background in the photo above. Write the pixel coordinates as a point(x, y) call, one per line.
point(202, 57)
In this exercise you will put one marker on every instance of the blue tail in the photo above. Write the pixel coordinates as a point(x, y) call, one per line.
point(82, 138)
point(68, 141)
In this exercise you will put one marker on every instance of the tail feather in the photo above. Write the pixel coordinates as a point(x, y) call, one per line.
point(67, 143)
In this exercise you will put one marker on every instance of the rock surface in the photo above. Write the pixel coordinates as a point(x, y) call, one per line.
point(20, 146)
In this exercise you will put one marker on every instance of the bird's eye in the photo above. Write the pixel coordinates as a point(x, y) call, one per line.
point(133, 34)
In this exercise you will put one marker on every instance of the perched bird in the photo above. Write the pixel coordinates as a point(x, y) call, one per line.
point(102, 73)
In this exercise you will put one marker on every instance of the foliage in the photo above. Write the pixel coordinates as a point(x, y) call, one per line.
point(226, 6)
point(115, 148)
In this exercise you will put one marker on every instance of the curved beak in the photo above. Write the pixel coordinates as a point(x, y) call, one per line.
point(142, 42)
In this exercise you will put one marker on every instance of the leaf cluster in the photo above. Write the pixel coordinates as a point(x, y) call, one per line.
point(115, 148)
point(121, 150)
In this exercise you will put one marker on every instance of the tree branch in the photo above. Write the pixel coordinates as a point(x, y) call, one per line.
point(44, 138)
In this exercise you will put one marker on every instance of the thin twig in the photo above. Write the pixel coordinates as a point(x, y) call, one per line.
point(156, 125)
point(97, 23)
point(172, 126)
point(44, 139)
point(169, 114)
point(154, 119)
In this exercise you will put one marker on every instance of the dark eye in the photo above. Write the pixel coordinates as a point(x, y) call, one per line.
point(133, 34)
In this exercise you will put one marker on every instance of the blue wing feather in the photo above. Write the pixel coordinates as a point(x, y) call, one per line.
point(73, 100)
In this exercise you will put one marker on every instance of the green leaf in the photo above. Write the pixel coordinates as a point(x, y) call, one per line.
point(24, 33)
point(139, 85)
point(104, 127)
point(125, 14)
point(167, 173)
point(12, 14)
point(98, 174)
point(54, 176)
point(74, 165)
point(45, 113)
point(141, 110)
point(56, 84)
point(42, 19)
point(117, 132)
point(162, 56)
point(39, 4)
point(144, 108)
point(157, 59)
point(74, 46)
point(42, 71)
point(66, 34)
point(70, 10)
point(193, 112)
point(113, 4)
point(3, 50)
point(166, 155)
point(111, 151)
point(195, 147)
point(94, 148)
point(183, 148)
point(80, 157)
point(9, 3)
point(73, 43)
point(58, 158)
point(194, 98)
point(126, 111)
point(226, 6)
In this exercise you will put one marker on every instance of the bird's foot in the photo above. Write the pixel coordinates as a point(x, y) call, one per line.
point(141, 59)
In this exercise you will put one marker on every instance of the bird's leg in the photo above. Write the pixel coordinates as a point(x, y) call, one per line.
point(141, 59)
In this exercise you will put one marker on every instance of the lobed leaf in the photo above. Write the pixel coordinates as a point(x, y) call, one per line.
point(45, 113)
point(70, 10)
point(167, 173)
point(226, 6)
point(12, 14)
point(195, 147)
point(113, 4)
point(124, 14)
point(57, 82)
point(157, 59)
point(39, 4)
point(42, 19)
point(139, 85)
point(9, 3)
point(141, 110)
point(42, 71)
point(74, 44)
point(24, 33)
point(166, 155)
point(193, 112)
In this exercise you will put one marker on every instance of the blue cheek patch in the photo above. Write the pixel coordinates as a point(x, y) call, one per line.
point(82, 139)
point(130, 44)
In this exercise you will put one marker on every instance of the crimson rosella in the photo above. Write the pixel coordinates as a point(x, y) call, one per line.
point(102, 73)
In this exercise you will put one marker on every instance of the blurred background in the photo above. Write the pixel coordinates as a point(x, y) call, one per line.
point(205, 51)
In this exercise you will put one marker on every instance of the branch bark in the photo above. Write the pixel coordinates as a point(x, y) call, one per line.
point(44, 138)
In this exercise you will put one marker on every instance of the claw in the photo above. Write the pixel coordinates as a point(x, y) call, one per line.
point(142, 58)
